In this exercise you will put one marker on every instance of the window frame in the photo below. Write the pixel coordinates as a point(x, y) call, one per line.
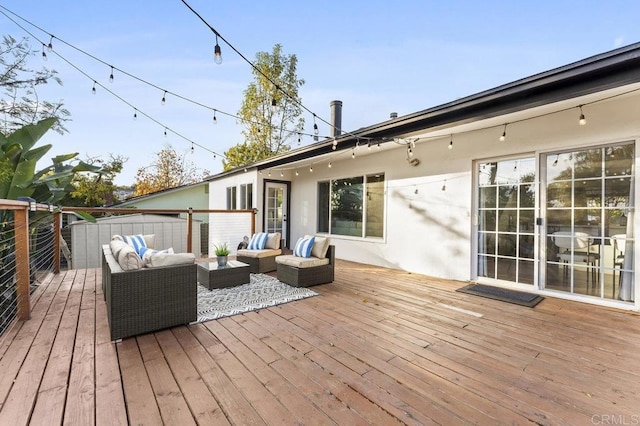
point(232, 201)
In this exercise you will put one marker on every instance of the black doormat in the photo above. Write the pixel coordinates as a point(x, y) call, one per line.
point(497, 293)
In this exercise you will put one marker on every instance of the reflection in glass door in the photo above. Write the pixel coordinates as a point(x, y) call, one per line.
point(588, 208)
point(506, 220)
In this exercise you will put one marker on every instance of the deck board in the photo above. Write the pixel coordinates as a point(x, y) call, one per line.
point(377, 346)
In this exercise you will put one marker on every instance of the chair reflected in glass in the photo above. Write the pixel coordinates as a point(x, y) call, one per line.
point(618, 242)
point(574, 248)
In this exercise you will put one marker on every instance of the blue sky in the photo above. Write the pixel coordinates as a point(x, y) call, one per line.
point(376, 56)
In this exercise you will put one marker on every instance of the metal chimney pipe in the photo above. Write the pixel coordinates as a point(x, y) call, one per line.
point(393, 115)
point(336, 118)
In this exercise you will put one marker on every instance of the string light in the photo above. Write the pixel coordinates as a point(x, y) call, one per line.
point(353, 154)
point(281, 173)
point(311, 169)
point(192, 148)
point(555, 163)
point(334, 145)
point(299, 139)
point(582, 120)
point(215, 120)
point(378, 146)
point(164, 98)
point(369, 146)
point(111, 75)
point(50, 45)
point(444, 185)
point(93, 90)
point(217, 52)
point(409, 152)
point(451, 143)
point(165, 132)
point(135, 114)
point(315, 126)
point(504, 134)
point(274, 105)
point(44, 55)
point(245, 170)
point(329, 165)
point(297, 174)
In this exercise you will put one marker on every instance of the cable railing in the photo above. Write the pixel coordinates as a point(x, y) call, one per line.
point(32, 245)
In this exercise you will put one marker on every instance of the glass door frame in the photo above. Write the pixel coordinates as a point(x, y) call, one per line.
point(475, 250)
point(285, 186)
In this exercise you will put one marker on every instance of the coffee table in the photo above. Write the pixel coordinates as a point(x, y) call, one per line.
point(234, 273)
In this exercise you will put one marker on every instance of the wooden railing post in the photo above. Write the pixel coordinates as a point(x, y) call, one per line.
point(22, 264)
point(253, 222)
point(56, 242)
point(189, 229)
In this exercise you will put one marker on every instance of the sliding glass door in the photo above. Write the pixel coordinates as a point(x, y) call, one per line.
point(506, 220)
point(588, 208)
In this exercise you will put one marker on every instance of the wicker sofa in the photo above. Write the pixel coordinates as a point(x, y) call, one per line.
point(262, 260)
point(305, 272)
point(148, 299)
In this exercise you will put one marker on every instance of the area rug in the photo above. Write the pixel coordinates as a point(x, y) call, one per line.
point(261, 292)
point(504, 295)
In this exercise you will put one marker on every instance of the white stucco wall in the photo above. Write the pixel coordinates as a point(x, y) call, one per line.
point(195, 197)
point(429, 230)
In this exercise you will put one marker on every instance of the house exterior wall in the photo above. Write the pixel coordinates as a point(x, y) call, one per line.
point(195, 197)
point(231, 228)
point(430, 230)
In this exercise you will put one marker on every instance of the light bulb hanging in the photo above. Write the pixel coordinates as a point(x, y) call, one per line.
point(504, 134)
point(451, 143)
point(111, 75)
point(217, 52)
point(135, 114)
point(409, 152)
point(281, 173)
point(93, 90)
point(50, 45)
point(329, 165)
point(165, 132)
point(192, 148)
point(311, 169)
point(299, 139)
point(582, 120)
point(297, 174)
point(315, 126)
point(353, 154)
point(444, 185)
point(369, 146)
point(215, 120)
point(164, 98)
point(44, 55)
point(274, 105)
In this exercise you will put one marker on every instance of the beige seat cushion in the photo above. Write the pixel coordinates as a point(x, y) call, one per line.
point(168, 259)
point(301, 262)
point(320, 246)
point(116, 245)
point(258, 253)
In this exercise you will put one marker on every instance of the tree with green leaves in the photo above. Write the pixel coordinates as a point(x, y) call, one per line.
point(170, 170)
point(19, 102)
point(96, 190)
point(271, 111)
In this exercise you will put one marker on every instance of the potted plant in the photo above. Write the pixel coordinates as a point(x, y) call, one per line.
point(222, 252)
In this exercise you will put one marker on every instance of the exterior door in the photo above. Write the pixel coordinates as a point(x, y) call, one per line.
point(588, 206)
point(276, 209)
point(506, 220)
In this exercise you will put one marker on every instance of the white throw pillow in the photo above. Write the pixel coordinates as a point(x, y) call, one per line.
point(147, 253)
point(116, 246)
point(128, 259)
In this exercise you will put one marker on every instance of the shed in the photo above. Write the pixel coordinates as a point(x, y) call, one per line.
point(87, 237)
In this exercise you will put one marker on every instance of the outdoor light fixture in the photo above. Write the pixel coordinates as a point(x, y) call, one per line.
point(297, 174)
point(164, 98)
point(93, 91)
point(44, 55)
point(215, 120)
point(451, 143)
point(217, 53)
point(111, 75)
point(135, 115)
point(281, 173)
point(329, 164)
point(582, 120)
point(50, 45)
point(504, 134)
point(315, 126)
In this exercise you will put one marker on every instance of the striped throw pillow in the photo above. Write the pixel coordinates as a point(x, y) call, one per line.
point(258, 241)
point(303, 247)
point(137, 242)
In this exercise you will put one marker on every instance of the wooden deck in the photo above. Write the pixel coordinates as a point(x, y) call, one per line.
point(377, 346)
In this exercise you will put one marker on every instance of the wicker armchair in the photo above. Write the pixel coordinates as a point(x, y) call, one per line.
point(302, 276)
point(148, 299)
point(261, 261)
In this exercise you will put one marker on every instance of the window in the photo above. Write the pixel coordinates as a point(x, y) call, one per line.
point(246, 196)
point(231, 198)
point(352, 206)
